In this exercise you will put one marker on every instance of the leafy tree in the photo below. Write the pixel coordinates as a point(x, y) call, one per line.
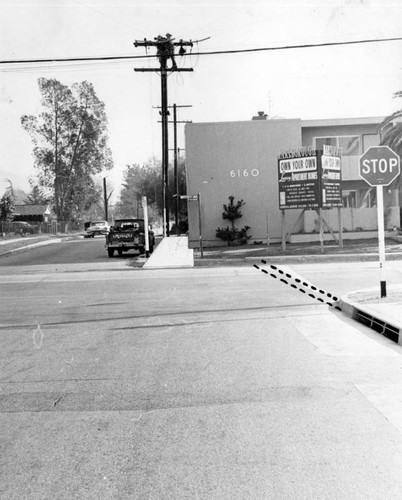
point(36, 196)
point(95, 207)
point(232, 235)
point(6, 207)
point(139, 181)
point(70, 144)
point(146, 180)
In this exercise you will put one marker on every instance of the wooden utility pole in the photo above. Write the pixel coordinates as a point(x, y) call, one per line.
point(165, 50)
point(176, 150)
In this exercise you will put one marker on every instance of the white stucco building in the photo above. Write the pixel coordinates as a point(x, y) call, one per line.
point(241, 159)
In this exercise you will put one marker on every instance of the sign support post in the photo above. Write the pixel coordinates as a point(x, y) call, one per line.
point(197, 198)
point(266, 216)
point(321, 230)
point(283, 231)
point(381, 240)
point(340, 228)
point(379, 166)
point(145, 209)
point(200, 224)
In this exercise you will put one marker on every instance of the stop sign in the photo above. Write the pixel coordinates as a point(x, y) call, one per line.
point(379, 166)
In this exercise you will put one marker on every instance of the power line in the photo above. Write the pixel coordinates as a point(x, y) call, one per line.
point(303, 46)
point(216, 52)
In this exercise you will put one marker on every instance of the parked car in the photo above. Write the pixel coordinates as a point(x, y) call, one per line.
point(96, 227)
point(21, 227)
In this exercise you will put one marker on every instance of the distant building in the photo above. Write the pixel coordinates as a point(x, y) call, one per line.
point(241, 159)
point(260, 116)
point(33, 213)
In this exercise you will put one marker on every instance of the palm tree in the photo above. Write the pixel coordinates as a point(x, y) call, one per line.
point(391, 130)
point(391, 135)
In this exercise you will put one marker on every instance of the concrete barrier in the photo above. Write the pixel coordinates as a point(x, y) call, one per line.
point(171, 252)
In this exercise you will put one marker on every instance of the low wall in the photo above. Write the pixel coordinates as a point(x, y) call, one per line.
point(171, 252)
point(352, 219)
point(315, 237)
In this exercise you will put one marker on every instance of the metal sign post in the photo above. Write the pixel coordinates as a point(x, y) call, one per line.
point(379, 166)
point(381, 240)
point(197, 198)
point(200, 224)
point(145, 208)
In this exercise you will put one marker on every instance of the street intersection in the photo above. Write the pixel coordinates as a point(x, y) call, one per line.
point(205, 383)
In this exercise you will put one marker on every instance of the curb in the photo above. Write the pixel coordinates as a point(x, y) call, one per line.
point(379, 322)
point(306, 258)
point(295, 259)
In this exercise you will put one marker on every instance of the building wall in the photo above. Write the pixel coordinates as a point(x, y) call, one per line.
point(222, 159)
point(239, 159)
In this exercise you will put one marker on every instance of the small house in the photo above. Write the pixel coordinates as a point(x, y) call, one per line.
point(33, 213)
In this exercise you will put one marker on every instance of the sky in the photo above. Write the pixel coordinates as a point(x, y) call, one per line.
point(314, 83)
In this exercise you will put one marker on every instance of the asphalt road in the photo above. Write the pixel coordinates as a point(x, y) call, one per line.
point(84, 250)
point(223, 383)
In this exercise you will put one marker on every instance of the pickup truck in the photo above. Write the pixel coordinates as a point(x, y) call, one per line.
point(128, 234)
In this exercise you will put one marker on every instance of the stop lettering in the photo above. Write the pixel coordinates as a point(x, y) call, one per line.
point(379, 165)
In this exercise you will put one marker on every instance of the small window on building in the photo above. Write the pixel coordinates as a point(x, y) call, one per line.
point(367, 197)
point(350, 144)
point(328, 141)
point(349, 199)
point(370, 140)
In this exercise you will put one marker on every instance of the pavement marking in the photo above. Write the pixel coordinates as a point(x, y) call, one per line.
point(387, 399)
point(300, 284)
point(336, 337)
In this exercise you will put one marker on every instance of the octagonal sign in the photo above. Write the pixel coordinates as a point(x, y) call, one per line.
point(379, 166)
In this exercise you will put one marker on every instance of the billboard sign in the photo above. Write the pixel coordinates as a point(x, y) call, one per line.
point(298, 182)
point(309, 179)
point(331, 190)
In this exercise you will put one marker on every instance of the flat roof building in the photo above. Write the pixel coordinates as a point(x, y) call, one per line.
point(240, 159)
